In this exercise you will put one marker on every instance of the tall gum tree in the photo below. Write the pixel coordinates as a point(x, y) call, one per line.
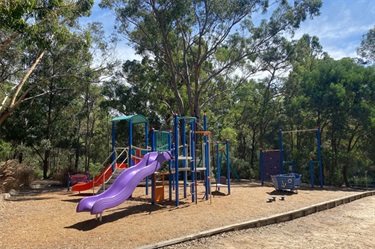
point(196, 43)
point(342, 93)
point(36, 24)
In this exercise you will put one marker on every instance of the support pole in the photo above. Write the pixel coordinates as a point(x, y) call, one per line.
point(207, 157)
point(311, 173)
point(146, 142)
point(218, 166)
point(152, 177)
point(176, 155)
point(228, 165)
point(193, 161)
point(261, 166)
point(170, 166)
point(183, 142)
point(130, 141)
point(113, 157)
point(281, 151)
point(320, 158)
point(293, 167)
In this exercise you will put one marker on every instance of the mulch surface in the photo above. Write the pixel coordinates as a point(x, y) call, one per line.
point(45, 217)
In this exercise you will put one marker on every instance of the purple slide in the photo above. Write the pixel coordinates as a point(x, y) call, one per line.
point(124, 185)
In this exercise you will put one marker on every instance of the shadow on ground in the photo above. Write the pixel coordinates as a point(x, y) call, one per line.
point(115, 215)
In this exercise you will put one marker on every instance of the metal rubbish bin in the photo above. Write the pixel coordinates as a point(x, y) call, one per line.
point(284, 182)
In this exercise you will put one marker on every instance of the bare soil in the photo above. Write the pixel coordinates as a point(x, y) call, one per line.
point(347, 226)
point(46, 218)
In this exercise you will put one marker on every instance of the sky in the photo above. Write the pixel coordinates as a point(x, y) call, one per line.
point(340, 26)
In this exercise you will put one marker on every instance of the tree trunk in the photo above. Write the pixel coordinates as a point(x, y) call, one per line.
point(14, 101)
point(77, 152)
point(78, 146)
point(345, 175)
point(47, 154)
point(20, 157)
point(252, 149)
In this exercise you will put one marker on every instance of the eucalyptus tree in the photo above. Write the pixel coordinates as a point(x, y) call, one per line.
point(196, 44)
point(60, 78)
point(32, 27)
point(367, 49)
point(307, 52)
point(341, 95)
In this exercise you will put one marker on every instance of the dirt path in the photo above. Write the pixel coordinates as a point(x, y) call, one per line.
point(348, 226)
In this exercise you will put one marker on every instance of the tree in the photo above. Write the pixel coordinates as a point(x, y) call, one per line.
point(198, 43)
point(367, 48)
point(340, 94)
point(37, 25)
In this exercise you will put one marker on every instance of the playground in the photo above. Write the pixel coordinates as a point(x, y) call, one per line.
point(46, 217)
point(166, 191)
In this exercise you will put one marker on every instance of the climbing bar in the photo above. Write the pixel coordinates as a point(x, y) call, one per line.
point(142, 149)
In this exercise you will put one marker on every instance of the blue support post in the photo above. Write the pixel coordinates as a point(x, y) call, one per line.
point(207, 154)
point(146, 142)
point(218, 163)
point(113, 157)
point(170, 166)
point(293, 164)
point(183, 142)
point(146, 134)
point(130, 141)
point(193, 160)
point(312, 173)
point(320, 158)
point(228, 165)
point(261, 166)
point(152, 176)
point(281, 151)
point(173, 165)
point(176, 155)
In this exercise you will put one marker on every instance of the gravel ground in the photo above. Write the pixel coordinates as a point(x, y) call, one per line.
point(347, 226)
point(47, 218)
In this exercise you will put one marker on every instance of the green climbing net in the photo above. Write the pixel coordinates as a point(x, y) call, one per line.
point(161, 141)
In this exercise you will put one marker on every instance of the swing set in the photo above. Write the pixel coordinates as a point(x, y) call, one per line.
point(272, 162)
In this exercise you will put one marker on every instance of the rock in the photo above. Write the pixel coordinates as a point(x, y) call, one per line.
point(14, 175)
point(13, 192)
point(5, 196)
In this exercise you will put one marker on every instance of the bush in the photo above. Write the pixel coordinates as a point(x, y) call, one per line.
point(5, 150)
point(14, 175)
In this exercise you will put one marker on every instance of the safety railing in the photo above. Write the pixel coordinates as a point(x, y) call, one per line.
point(103, 179)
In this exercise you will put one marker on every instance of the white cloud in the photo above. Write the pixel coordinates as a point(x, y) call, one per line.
point(127, 53)
point(341, 25)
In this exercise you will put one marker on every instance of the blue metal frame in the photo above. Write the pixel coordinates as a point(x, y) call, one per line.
point(193, 163)
point(176, 157)
point(130, 142)
point(320, 158)
point(113, 157)
point(206, 156)
point(170, 166)
point(183, 142)
point(152, 177)
point(311, 173)
point(281, 151)
point(218, 162)
point(261, 166)
point(311, 165)
point(228, 165)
